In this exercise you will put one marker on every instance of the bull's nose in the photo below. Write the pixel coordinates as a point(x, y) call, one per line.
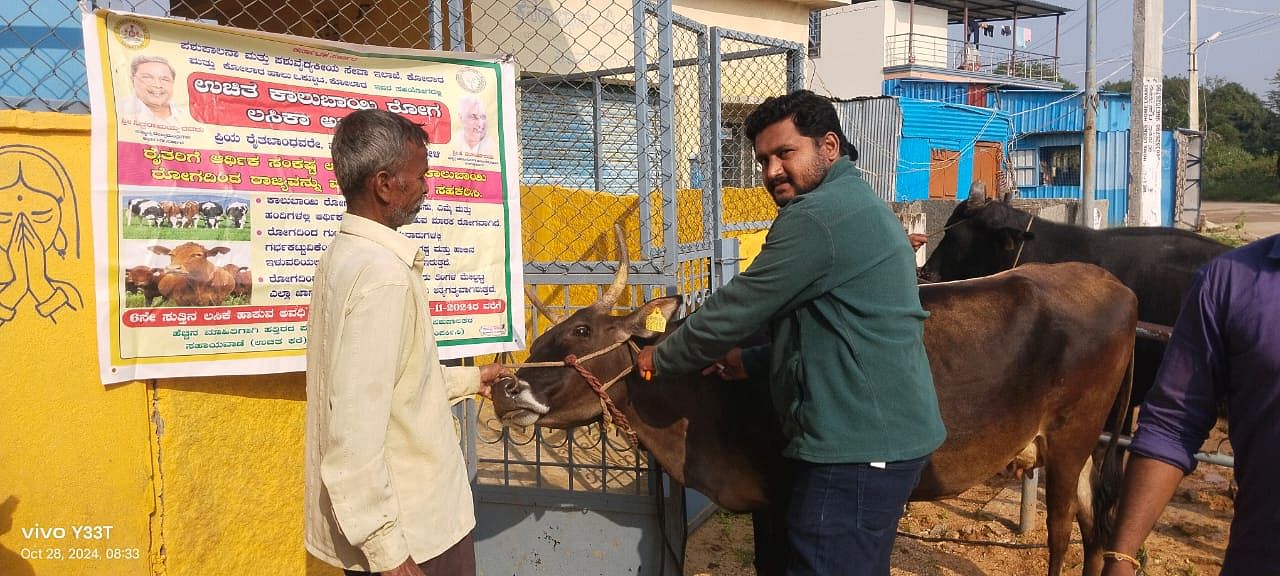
point(510, 386)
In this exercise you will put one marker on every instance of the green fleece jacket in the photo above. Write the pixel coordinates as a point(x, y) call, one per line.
point(836, 284)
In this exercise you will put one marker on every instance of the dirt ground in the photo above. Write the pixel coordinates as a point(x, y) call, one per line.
point(976, 533)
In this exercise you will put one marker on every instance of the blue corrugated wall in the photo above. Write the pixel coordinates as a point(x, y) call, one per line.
point(1040, 111)
point(927, 125)
point(1111, 182)
point(950, 92)
point(1056, 118)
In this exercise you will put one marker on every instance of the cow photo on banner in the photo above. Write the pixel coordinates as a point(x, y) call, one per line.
point(214, 193)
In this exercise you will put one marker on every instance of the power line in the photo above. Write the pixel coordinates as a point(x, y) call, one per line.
point(1238, 11)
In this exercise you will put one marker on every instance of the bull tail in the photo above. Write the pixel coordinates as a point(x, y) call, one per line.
point(1106, 491)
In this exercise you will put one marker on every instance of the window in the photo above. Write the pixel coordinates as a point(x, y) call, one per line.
point(1060, 166)
point(738, 166)
point(815, 33)
point(1024, 168)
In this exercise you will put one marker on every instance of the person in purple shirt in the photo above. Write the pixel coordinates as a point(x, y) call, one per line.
point(1226, 346)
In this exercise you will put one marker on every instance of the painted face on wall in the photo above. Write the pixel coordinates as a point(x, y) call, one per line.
point(36, 195)
point(792, 163)
point(27, 201)
point(153, 85)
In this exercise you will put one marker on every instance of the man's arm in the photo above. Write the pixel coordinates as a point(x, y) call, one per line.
point(787, 273)
point(1148, 486)
point(463, 381)
point(460, 381)
point(1174, 420)
point(353, 468)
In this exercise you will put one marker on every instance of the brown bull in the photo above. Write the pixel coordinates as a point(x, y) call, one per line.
point(1026, 363)
point(191, 279)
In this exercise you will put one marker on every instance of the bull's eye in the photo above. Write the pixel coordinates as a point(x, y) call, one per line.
point(581, 331)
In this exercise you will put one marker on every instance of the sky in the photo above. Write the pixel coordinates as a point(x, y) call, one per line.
point(1248, 51)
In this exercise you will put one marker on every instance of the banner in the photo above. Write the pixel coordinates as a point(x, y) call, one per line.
point(214, 194)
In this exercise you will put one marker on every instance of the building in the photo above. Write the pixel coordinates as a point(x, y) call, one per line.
point(857, 47)
point(917, 149)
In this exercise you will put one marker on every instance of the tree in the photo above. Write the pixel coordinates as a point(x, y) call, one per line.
point(1175, 105)
point(1227, 109)
point(1273, 95)
point(1237, 114)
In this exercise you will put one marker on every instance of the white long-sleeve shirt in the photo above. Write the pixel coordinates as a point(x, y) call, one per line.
point(385, 477)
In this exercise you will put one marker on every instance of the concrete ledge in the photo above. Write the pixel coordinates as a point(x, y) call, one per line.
point(43, 121)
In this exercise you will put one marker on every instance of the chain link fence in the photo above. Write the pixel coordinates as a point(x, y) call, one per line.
point(618, 123)
point(750, 69)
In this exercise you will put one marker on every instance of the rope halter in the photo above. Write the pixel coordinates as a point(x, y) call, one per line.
point(609, 411)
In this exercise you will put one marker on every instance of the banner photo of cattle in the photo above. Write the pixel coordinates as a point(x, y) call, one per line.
point(165, 274)
point(188, 217)
point(214, 193)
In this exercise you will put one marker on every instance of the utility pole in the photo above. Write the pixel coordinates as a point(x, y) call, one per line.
point(1193, 70)
point(1144, 125)
point(1089, 158)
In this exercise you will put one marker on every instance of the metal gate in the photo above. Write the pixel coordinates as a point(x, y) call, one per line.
point(746, 69)
point(579, 500)
point(600, 136)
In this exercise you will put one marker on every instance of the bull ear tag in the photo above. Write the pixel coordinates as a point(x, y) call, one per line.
point(656, 321)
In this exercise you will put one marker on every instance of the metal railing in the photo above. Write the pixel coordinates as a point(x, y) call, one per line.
point(925, 51)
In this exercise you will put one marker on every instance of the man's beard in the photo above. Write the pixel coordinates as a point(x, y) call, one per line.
point(404, 217)
point(814, 174)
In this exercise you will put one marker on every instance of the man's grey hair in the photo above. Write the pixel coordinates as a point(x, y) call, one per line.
point(370, 141)
point(145, 59)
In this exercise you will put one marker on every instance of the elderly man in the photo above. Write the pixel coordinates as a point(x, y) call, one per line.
point(386, 484)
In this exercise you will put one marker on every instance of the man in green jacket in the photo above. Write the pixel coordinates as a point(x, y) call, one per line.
point(847, 371)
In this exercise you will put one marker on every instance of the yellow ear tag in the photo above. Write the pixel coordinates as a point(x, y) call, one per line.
point(655, 321)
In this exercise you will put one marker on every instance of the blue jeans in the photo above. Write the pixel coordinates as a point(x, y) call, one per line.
point(842, 518)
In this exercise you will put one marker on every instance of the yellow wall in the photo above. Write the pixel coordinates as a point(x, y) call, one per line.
point(200, 476)
point(72, 453)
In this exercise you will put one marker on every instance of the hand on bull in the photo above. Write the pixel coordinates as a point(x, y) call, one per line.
point(729, 367)
point(644, 362)
point(489, 374)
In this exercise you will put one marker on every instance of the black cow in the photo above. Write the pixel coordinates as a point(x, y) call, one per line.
point(985, 237)
point(149, 211)
point(211, 213)
point(236, 212)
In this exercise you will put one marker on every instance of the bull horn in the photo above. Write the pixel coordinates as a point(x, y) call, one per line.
point(978, 200)
point(620, 278)
point(551, 315)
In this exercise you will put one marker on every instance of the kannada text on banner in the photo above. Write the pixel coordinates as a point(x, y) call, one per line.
point(218, 195)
